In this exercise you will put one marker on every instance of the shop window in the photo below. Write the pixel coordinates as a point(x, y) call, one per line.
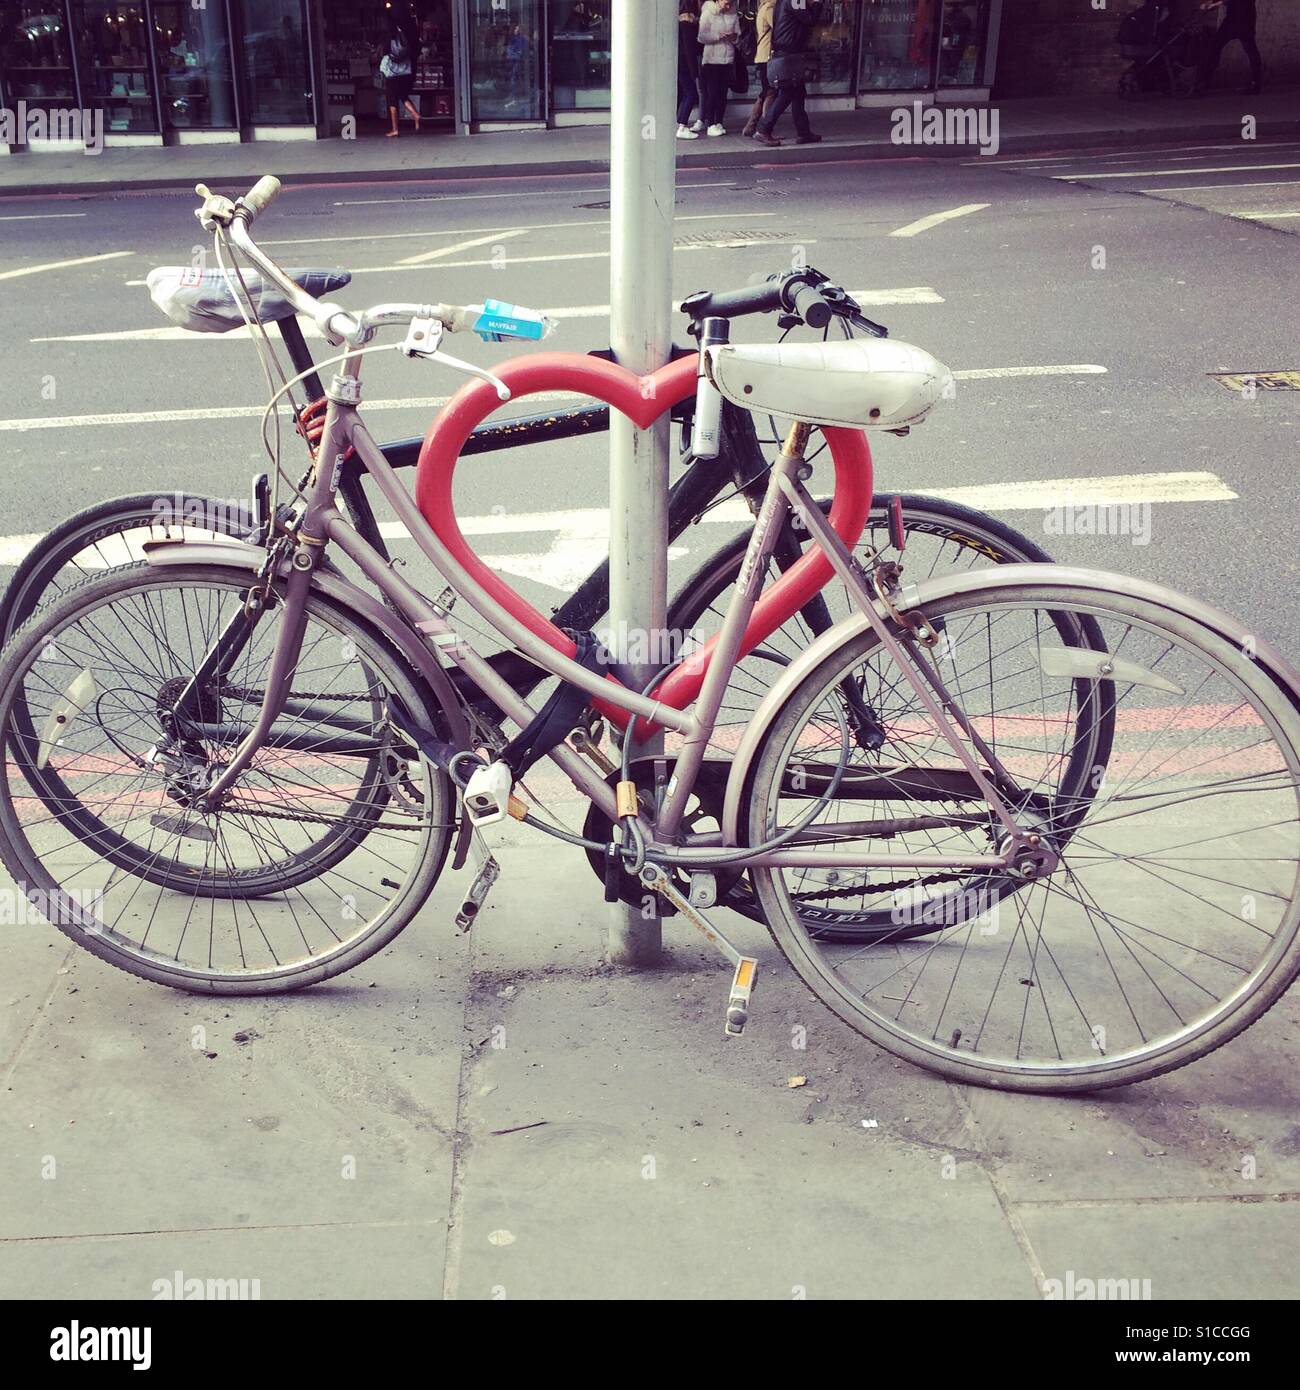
point(192, 47)
point(898, 45)
point(113, 61)
point(357, 36)
point(505, 48)
point(36, 56)
point(832, 48)
point(580, 54)
point(277, 63)
point(965, 22)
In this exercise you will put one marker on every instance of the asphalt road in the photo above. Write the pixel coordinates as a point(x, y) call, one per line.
point(1140, 272)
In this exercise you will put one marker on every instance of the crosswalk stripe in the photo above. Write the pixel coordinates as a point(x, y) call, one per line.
point(578, 530)
point(1170, 173)
point(907, 294)
point(243, 412)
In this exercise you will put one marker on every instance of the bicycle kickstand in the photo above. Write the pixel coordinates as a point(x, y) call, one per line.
point(742, 981)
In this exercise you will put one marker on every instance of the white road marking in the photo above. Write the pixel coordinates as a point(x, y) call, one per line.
point(912, 294)
point(1171, 173)
point(62, 265)
point(424, 257)
point(1256, 216)
point(27, 423)
point(1065, 369)
point(472, 231)
point(482, 197)
point(38, 216)
point(924, 224)
point(1172, 153)
point(581, 536)
point(1218, 187)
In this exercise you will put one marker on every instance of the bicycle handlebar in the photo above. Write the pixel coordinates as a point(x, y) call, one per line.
point(795, 292)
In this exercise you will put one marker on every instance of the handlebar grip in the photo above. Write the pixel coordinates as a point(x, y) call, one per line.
point(262, 194)
point(812, 308)
point(730, 304)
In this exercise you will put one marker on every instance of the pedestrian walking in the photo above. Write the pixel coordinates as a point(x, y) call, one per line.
point(1238, 23)
point(688, 70)
point(719, 34)
point(395, 68)
point(793, 22)
point(763, 28)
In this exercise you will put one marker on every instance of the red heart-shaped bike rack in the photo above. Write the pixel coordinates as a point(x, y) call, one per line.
point(643, 400)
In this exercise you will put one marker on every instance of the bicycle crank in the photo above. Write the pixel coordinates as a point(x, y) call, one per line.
point(746, 967)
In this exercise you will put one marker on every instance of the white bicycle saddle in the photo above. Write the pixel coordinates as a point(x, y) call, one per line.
point(864, 383)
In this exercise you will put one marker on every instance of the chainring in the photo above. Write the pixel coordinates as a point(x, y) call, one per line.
point(705, 807)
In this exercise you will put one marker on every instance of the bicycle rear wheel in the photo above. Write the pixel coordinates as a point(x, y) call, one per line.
point(942, 538)
point(322, 851)
point(1172, 918)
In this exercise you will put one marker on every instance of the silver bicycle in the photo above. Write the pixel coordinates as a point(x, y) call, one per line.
point(235, 769)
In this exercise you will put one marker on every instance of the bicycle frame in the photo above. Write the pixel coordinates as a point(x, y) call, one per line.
point(701, 680)
point(692, 493)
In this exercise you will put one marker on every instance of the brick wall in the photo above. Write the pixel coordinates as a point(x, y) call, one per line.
point(1068, 46)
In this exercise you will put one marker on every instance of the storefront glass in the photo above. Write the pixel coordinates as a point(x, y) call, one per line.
point(505, 58)
point(358, 34)
point(965, 23)
point(580, 54)
point(276, 61)
point(898, 38)
point(35, 55)
point(113, 62)
point(194, 65)
point(833, 48)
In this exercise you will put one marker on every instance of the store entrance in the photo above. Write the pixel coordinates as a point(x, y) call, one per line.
point(357, 34)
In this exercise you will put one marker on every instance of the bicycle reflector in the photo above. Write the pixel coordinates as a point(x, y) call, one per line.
point(498, 323)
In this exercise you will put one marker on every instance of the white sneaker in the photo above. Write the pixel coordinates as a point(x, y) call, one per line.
point(717, 130)
point(697, 125)
point(684, 132)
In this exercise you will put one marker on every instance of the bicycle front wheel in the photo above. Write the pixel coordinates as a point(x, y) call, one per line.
point(109, 534)
point(1169, 921)
point(320, 853)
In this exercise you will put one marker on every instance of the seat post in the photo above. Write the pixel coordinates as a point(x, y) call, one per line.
point(300, 355)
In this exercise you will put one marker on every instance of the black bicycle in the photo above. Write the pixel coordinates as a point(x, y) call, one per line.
point(933, 535)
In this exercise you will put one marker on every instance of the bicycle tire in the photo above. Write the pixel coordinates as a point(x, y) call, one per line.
point(26, 863)
point(973, 535)
point(35, 580)
point(1264, 693)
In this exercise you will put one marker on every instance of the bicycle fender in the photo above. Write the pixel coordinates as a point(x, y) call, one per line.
point(1177, 605)
point(333, 585)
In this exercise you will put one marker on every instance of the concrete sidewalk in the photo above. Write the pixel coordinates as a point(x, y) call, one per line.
point(1025, 126)
point(500, 1115)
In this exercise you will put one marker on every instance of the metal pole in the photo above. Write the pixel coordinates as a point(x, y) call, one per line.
point(642, 188)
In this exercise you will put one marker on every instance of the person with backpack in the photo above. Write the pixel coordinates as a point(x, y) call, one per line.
point(1238, 23)
point(762, 52)
point(719, 35)
point(793, 22)
point(396, 68)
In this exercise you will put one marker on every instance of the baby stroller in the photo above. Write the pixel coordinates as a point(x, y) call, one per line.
point(1163, 56)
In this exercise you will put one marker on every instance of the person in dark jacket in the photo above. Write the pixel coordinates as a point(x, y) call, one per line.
point(1238, 23)
point(688, 69)
point(792, 32)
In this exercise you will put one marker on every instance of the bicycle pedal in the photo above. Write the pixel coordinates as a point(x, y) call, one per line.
point(488, 873)
point(742, 990)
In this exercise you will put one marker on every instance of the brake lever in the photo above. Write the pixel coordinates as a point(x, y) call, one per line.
point(217, 210)
point(423, 339)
